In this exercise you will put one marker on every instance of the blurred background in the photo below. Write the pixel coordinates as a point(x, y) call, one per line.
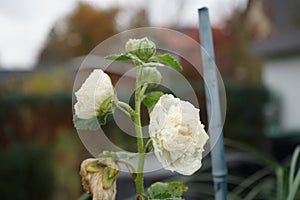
point(257, 46)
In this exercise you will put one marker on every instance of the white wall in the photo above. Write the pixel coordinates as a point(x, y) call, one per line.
point(282, 76)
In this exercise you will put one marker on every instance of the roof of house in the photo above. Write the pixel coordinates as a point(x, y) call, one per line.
point(285, 37)
point(287, 44)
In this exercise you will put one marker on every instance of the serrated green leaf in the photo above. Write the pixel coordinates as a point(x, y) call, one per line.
point(170, 190)
point(167, 58)
point(151, 99)
point(86, 124)
point(118, 57)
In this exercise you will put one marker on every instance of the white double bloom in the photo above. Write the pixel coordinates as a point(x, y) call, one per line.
point(178, 135)
point(96, 88)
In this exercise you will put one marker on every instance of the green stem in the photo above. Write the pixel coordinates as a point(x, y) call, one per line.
point(144, 88)
point(126, 109)
point(128, 165)
point(138, 128)
point(123, 110)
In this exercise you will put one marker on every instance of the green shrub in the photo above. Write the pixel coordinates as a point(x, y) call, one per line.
point(26, 172)
point(245, 113)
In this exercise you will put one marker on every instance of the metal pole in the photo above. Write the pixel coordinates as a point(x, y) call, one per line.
point(219, 170)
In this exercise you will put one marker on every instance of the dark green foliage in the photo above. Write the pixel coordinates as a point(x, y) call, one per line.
point(26, 173)
point(244, 117)
point(244, 120)
point(24, 117)
point(245, 113)
point(39, 117)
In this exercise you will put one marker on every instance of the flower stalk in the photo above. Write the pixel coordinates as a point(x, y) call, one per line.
point(139, 92)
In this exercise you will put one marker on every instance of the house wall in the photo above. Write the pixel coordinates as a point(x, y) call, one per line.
point(282, 77)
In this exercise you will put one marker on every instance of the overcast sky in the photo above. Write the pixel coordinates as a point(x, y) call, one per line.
point(25, 24)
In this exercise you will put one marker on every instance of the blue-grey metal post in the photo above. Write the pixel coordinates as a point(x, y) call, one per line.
point(219, 170)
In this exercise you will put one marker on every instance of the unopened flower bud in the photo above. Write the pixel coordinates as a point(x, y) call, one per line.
point(142, 48)
point(151, 76)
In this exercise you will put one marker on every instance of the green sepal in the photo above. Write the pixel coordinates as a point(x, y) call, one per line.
point(110, 174)
point(102, 119)
point(94, 123)
point(149, 146)
point(173, 190)
point(91, 124)
point(168, 59)
point(151, 99)
point(95, 167)
point(105, 109)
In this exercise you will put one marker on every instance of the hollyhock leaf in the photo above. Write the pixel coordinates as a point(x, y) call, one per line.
point(86, 124)
point(151, 99)
point(118, 57)
point(167, 58)
point(172, 190)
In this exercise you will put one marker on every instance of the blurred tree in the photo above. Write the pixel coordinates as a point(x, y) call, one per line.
point(87, 26)
point(234, 43)
point(39, 82)
point(139, 19)
point(78, 33)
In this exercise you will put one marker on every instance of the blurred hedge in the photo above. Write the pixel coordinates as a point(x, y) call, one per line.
point(39, 117)
point(43, 118)
point(24, 117)
point(26, 172)
point(45, 171)
point(245, 120)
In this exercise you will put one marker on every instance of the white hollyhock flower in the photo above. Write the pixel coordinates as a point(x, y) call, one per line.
point(96, 88)
point(178, 135)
